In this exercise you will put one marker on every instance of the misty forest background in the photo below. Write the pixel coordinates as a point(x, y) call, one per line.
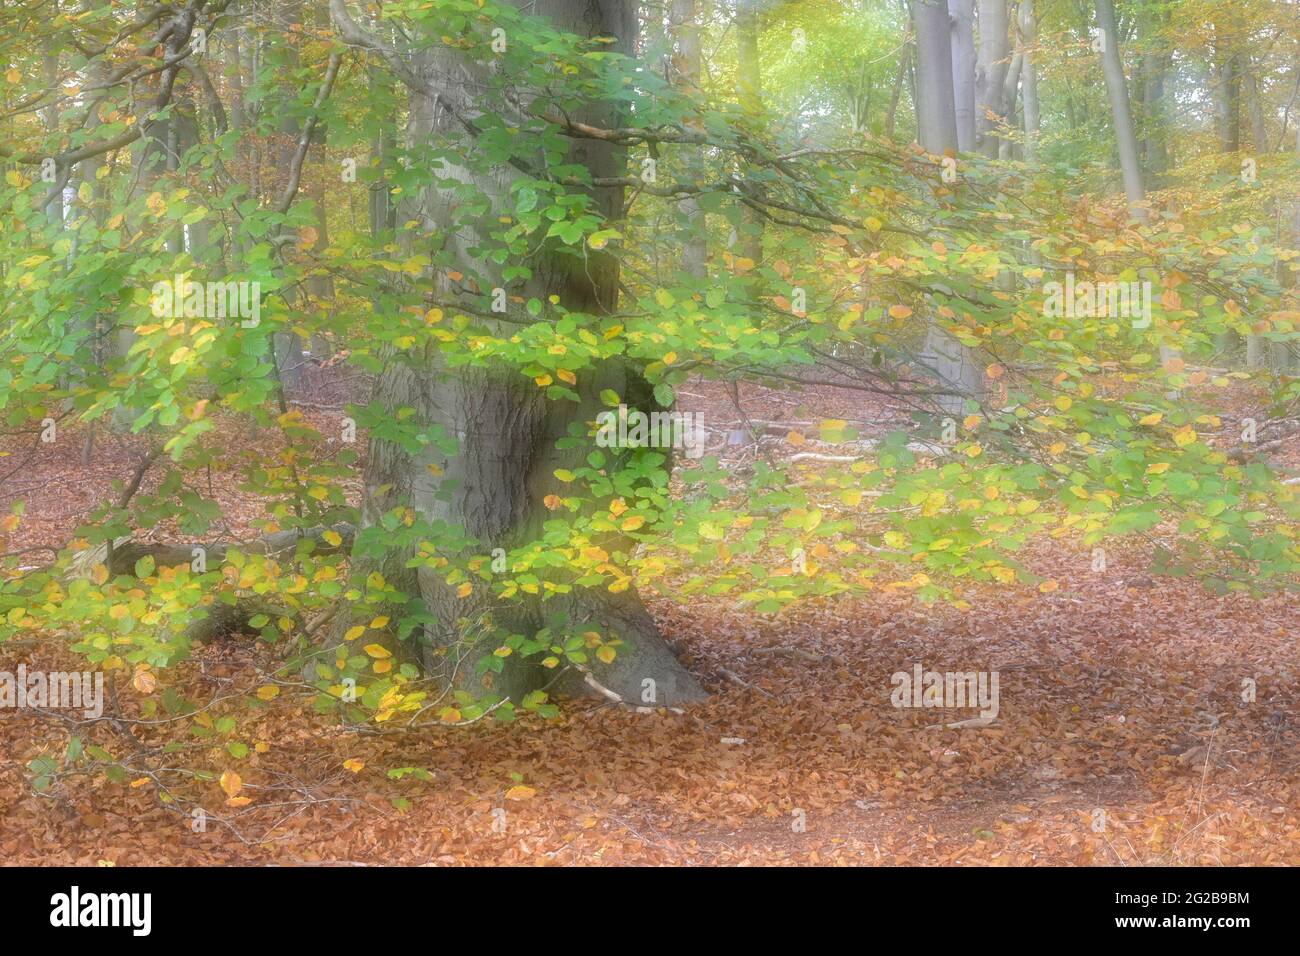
point(365, 587)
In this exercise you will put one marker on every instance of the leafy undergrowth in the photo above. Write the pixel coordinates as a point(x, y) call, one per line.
point(1122, 737)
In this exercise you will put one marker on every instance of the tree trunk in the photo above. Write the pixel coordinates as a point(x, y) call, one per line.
point(695, 250)
point(749, 92)
point(962, 18)
point(1155, 111)
point(990, 74)
point(1010, 95)
point(1227, 89)
point(955, 366)
point(1121, 114)
point(904, 59)
point(494, 487)
point(1029, 36)
point(936, 117)
point(1254, 99)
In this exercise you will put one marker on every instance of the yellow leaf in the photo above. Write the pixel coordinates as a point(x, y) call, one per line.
point(381, 621)
point(465, 590)
point(356, 766)
point(354, 632)
point(606, 654)
point(520, 793)
point(232, 783)
point(144, 682)
point(899, 311)
point(1159, 468)
point(564, 375)
point(99, 574)
point(1152, 419)
point(1184, 436)
point(13, 77)
point(669, 358)
point(632, 523)
point(1048, 586)
point(268, 692)
point(377, 650)
point(1063, 402)
point(333, 538)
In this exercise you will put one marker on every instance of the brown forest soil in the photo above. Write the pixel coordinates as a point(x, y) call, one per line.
point(1119, 693)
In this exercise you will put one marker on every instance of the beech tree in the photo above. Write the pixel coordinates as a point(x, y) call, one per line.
point(501, 229)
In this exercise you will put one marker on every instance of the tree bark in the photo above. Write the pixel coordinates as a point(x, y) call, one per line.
point(936, 115)
point(495, 486)
point(1029, 36)
point(1121, 114)
point(749, 92)
point(686, 30)
point(956, 366)
point(962, 17)
point(891, 117)
point(1227, 88)
point(990, 74)
point(1155, 110)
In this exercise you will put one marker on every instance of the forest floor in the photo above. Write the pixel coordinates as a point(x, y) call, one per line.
point(1122, 736)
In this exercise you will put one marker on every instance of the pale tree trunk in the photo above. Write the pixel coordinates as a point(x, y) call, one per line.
point(686, 30)
point(891, 117)
point(1285, 355)
point(990, 74)
point(1010, 95)
point(1227, 87)
point(1121, 115)
point(956, 366)
point(1254, 100)
point(1029, 36)
point(749, 92)
point(1258, 349)
point(655, 43)
point(1155, 110)
point(961, 15)
point(288, 350)
point(495, 486)
point(936, 114)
